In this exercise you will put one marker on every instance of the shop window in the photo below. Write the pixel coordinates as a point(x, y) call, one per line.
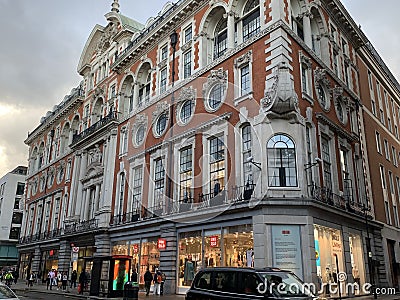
point(217, 165)
point(150, 257)
point(134, 249)
point(329, 258)
point(185, 175)
point(281, 161)
point(357, 260)
point(251, 19)
point(238, 246)
point(120, 248)
point(212, 248)
point(190, 244)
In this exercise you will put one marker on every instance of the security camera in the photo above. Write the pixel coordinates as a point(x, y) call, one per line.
point(250, 159)
point(318, 160)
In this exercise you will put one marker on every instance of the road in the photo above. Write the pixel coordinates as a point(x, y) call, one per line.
point(31, 295)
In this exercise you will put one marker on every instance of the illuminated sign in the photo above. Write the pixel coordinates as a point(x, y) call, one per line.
point(162, 244)
point(135, 248)
point(214, 241)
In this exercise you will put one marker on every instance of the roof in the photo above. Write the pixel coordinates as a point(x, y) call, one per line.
point(128, 22)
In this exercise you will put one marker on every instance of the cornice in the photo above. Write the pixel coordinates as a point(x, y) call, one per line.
point(336, 128)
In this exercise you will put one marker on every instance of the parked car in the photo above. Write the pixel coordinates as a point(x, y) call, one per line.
point(246, 283)
point(7, 293)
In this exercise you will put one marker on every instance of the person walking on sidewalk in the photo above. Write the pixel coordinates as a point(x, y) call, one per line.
point(134, 277)
point(64, 280)
point(31, 279)
point(163, 278)
point(148, 277)
point(74, 277)
point(157, 282)
point(82, 282)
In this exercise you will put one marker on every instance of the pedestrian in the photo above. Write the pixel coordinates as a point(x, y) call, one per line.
point(64, 280)
point(82, 281)
point(15, 275)
point(31, 279)
point(52, 278)
point(157, 282)
point(163, 278)
point(134, 277)
point(59, 280)
point(9, 278)
point(148, 277)
point(48, 280)
point(74, 277)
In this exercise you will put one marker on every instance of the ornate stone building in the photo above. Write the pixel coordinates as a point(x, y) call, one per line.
point(220, 133)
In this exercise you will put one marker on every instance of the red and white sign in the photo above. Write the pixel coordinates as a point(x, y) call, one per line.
point(135, 248)
point(75, 249)
point(162, 244)
point(214, 241)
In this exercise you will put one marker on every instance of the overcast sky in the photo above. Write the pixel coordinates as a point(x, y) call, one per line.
point(41, 42)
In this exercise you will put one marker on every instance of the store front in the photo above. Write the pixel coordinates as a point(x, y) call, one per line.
point(25, 262)
point(329, 260)
point(144, 254)
point(357, 260)
point(227, 246)
point(49, 262)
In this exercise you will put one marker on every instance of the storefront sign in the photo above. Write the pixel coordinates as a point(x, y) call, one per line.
point(51, 252)
point(135, 248)
point(75, 249)
point(162, 244)
point(286, 248)
point(336, 245)
point(214, 241)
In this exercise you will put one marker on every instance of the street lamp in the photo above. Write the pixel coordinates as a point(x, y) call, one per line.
point(250, 159)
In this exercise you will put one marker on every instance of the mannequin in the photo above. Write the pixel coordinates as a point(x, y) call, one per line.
point(188, 273)
point(356, 275)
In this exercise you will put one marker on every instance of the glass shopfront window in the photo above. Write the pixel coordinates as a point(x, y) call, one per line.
point(229, 246)
point(150, 257)
point(212, 248)
point(190, 258)
point(120, 248)
point(357, 261)
point(238, 246)
point(134, 249)
point(329, 258)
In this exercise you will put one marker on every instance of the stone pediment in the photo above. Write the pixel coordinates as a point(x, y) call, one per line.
point(94, 170)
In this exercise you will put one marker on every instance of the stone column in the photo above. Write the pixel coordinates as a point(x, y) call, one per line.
point(74, 185)
point(105, 162)
point(231, 30)
point(82, 171)
point(64, 257)
point(307, 29)
point(136, 94)
point(36, 260)
point(168, 257)
point(86, 212)
point(96, 198)
point(82, 206)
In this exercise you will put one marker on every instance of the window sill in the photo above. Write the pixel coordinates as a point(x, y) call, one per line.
point(248, 96)
point(307, 97)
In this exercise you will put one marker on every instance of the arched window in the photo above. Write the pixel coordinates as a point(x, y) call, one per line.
point(281, 161)
point(220, 38)
point(251, 19)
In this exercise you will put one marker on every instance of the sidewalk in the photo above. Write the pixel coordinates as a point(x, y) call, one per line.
point(21, 288)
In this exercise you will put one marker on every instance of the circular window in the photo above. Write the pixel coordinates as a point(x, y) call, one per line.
point(340, 112)
point(186, 111)
point(216, 96)
point(139, 135)
point(322, 97)
point(161, 124)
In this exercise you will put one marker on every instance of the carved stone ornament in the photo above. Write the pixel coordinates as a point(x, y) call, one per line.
point(186, 93)
point(60, 171)
point(187, 46)
point(95, 155)
point(99, 91)
point(337, 92)
point(140, 119)
point(42, 181)
point(304, 60)
point(51, 175)
point(217, 76)
point(281, 97)
point(35, 183)
point(161, 107)
point(320, 77)
point(243, 59)
point(162, 63)
point(106, 38)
